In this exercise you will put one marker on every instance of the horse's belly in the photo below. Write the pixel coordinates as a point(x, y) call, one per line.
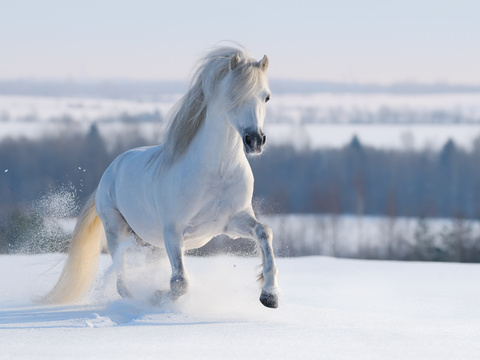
point(196, 242)
point(150, 232)
point(191, 241)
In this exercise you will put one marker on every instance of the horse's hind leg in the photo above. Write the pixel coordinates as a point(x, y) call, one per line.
point(116, 231)
point(121, 264)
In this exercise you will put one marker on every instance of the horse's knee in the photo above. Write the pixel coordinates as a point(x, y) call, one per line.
point(178, 285)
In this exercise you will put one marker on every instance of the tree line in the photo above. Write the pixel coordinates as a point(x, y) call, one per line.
point(361, 180)
point(355, 179)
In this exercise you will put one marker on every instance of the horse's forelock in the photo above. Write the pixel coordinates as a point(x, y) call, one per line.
point(244, 83)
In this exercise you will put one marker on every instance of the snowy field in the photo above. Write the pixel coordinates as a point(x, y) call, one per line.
point(315, 120)
point(329, 309)
point(389, 136)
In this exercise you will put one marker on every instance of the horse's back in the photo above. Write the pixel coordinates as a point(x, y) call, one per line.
point(128, 168)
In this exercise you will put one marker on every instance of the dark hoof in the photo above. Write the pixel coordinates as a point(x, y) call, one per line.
point(179, 285)
point(269, 300)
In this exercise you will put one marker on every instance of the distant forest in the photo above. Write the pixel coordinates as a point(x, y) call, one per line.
point(355, 179)
point(362, 180)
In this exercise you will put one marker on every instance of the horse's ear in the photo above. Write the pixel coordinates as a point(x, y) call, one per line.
point(234, 60)
point(263, 64)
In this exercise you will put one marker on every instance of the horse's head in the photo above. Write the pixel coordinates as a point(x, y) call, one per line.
point(227, 84)
point(247, 92)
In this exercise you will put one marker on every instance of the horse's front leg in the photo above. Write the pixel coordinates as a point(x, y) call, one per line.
point(174, 245)
point(246, 225)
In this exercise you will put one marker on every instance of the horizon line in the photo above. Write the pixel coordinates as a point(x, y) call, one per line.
point(125, 87)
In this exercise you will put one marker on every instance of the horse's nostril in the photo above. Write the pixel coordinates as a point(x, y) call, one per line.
point(248, 140)
point(264, 139)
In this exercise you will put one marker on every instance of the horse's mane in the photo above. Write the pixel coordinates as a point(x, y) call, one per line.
point(190, 111)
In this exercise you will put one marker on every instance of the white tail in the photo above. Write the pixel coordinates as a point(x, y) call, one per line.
point(83, 258)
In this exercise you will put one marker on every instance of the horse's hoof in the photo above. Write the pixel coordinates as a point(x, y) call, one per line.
point(179, 286)
point(269, 300)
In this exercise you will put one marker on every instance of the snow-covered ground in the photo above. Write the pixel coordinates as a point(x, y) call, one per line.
point(388, 136)
point(316, 107)
point(329, 309)
point(315, 120)
point(45, 109)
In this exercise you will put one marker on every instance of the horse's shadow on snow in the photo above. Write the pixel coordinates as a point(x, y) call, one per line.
point(116, 313)
point(45, 317)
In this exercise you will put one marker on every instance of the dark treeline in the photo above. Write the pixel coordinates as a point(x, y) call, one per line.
point(354, 179)
point(29, 168)
point(368, 181)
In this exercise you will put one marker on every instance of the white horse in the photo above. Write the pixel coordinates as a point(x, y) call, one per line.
point(179, 195)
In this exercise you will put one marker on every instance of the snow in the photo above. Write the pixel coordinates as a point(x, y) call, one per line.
point(389, 136)
point(330, 308)
point(460, 103)
point(286, 106)
point(44, 108)
point(316, 120)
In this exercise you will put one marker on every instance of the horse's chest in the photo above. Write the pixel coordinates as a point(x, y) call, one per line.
point(223, 199)
point(220, 202)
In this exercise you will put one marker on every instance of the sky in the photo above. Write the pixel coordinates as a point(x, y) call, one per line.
point(374, 41)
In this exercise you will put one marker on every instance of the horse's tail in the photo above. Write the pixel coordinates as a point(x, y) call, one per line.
point(83, 258)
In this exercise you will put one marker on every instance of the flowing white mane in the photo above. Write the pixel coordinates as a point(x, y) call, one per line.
point(189, 113)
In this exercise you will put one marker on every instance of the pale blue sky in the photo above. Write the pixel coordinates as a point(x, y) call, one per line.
point(340, 40)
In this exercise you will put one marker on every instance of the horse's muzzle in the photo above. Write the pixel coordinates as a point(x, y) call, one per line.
point(253, 142)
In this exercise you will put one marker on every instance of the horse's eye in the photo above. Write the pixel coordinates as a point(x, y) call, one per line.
point(267, 98)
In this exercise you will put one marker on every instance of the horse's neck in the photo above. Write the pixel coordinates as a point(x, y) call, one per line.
point(218, 144)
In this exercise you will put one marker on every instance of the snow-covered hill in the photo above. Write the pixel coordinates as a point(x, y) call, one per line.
point(320, 120)
point(330, 309)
